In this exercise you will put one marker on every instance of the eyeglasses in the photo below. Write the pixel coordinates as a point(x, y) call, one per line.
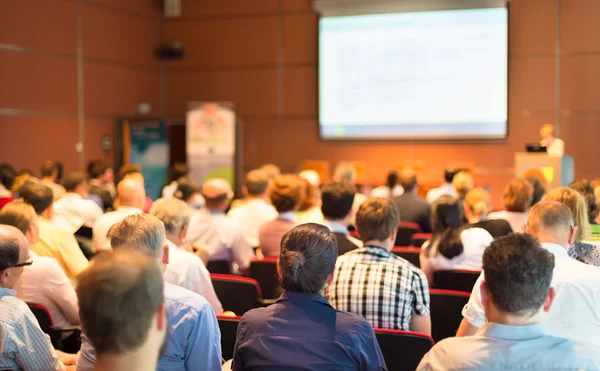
point(26, 264)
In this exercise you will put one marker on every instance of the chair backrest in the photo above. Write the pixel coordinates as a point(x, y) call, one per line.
point(418, 239)
point(461, 280)
point(219, 266)
point(264, 271)
point(84, 231)
point(405, 232)
point(42, 314)
point(228, 327)
point(445, 308)
point(409, 253)
point(237, 294)
point(403, 350)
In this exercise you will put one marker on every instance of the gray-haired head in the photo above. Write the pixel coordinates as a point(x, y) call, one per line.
point(142, 232)
point(174, 213)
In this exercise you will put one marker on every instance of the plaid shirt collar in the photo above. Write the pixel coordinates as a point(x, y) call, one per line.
point(377, 251)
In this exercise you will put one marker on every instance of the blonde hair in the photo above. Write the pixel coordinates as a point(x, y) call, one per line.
point(463, 182)
point(19, 214)
point(578, 206)
point(547, 129)
point(478, 200)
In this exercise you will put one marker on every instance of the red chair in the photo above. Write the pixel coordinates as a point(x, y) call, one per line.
point(459, 279)
point(403, 350)
point(264, 271)
point(228, 327)
point(405, 232)
point(418, 239)
point(446, 312)
point(237, 294)
point(219, 266)
point(409, 253)
point(70, 344)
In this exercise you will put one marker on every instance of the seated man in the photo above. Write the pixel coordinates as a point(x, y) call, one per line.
point(445, 189)
point(73, 211)
point(134, 332)
point(223, 235)
point(387, 290)
point(24, 345)
point(336, 205)
point(574, 314)
point(49, 173)
point(412, 208)
point(53, 241)
point(515, 295)
point(194, 341)
point(102, 183)
point(184, 269)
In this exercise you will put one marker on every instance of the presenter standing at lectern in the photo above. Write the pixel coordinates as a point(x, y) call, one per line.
point(554, 146)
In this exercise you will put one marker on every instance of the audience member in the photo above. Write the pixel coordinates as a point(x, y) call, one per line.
point(515, 295)
point(23, 177)
point(271, 170)
point(446, 189)
point(347, 172)
point(517, 198)
point(302, 330)
point(222, 234)
point(49, 172)
point(285, 195)
point(463, 182)
point(539, 182)
point(337, 199)
point(73, 211)
point(53, 241)
point(476, 208)
point(554, 146)
point(585, 187)
point(194, 341)
point(574, 314)
point(189, 191)
point(24, 345)
point(184, 269)
point(123, 311)
point(371, 281)
point(255, 211)
point(391, 187)
point(452, 246)
point(412, 208)
point(7, 179)
point(309, 209)
point(131, 199)
point(134, 171)
point(178, 170)
point(43, 282)
point(102, 183)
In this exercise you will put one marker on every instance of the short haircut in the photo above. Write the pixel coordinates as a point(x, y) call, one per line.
point(48, 169)
point(518, 273)
point(478, 200)
point(215, 202)
point(74, 180)
point(7, 175)
point(97, 168)
point(392, 179)
point(585, 187)
point(271, 170)
point(37, 195)
point(449, 175)
point(576, 203)
point(175, 214)
point(337, 199)
point(286, 192)
point(517, 195)
point(550, 215)
point(547, 129)
point(142, 232)
point(463, 183)
point(345, 171)
point(377, 219)
point(407, 179)
point(308, 256)
point(9, 252)
point(186, 188)
point(119, 294)
point(128, 169)
point(179, 170)
point(256, 182)
point(18, 214)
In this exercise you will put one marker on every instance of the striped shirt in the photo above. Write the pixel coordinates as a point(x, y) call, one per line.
point(23, 345)
point(380, 286)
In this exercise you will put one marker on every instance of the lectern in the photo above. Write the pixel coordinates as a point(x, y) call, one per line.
point(560, 171)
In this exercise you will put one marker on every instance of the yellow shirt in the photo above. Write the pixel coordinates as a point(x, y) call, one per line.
point(62, 246)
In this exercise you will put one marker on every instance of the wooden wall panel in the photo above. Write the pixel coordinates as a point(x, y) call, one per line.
point(532, 26)
point(300, 35)
point(580, 28)
point(531, 84)
point(580, 82)
point(148, 8)
point(300, 87)
point(238, 8)
point(296, 5)
point(95, 129)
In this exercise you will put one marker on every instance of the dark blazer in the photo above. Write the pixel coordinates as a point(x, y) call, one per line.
point(345, 243)
point(414, 209)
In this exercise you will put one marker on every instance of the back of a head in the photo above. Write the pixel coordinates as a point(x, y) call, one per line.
point(345, 172)
point(308, 256)
point(186, 188)
point(48, 169)
point(119, 295)
point(546, 130)
point(216, 191)
point(463, 183)
point(407, 179)
point(392, 179)
point(446, 222)
point(377, 219)
point(37, 195)
point(179, 170)
point(10, 246)
point(129, 169)
point(131, 193)
point(576, 204)
point(256, 183)
point(517, 195)
point(7, 175)
point(478, 200)
point(271, 170)
point(172, 212)
point(585, 187)
point(74, 179)
point(18, 214)
point(97, 168)
point(538, 190)
point(518, 273)
point(286, 192)
point(536, 173)
point(311, 176)
point(550, 218)
point(307, 200)
point(337, 199)
point(141, 232)
point(449, 175)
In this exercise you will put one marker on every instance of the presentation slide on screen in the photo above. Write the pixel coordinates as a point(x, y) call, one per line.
point(426, 75)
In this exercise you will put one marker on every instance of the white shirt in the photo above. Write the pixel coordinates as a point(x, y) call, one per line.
point(72, 211)
point(516, 219)
point(556, 148)
point(168, 190)
point(106, 221)
point(188, 271)
point(384, 191)
point(574, 313)
point(44, 282)
point(446, 189)
point(474, 240)
point(251, 215)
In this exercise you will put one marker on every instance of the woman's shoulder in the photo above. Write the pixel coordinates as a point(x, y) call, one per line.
point(475, 235)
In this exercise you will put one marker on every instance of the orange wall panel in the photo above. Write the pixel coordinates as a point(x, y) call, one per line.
point(300, 87)
point(580, 29)
point(300, 35)
point(238, 8)
point(532, 26)
point(580, 82)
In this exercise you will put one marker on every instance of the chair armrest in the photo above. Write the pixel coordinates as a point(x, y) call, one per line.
point(67, 328)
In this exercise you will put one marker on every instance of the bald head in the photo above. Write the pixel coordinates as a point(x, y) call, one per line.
point(216, 192)
point(130, 192)
point(407, 179)
point(14, 249)
point(552, 222)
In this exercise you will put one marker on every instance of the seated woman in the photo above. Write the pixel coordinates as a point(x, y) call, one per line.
point(285, 193)
point(309, 210)
point(477, 205)
point(452, 246)
point(517, 199)
point(586, 189)
point(302, 330)
point(579, 250)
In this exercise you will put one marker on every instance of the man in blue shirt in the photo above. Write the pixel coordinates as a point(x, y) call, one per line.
point(195, 340)
point(515, 294)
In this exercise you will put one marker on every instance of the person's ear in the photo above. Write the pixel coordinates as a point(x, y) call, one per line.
point(5, 278)
point(161, 317)
point(393, 236)
point(183, 232)
point(245, 191)
point(278, 269)
point(525, 228)
point(572, 235)
point(330, 277)
point(549, 299)
point(484, 292)
point(165, 258)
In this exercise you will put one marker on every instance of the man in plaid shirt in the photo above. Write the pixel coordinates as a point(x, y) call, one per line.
point(371, 281)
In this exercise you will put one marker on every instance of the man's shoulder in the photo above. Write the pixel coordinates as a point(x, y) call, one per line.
point(180, 301)
point(14, 311)
point(571, 271)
